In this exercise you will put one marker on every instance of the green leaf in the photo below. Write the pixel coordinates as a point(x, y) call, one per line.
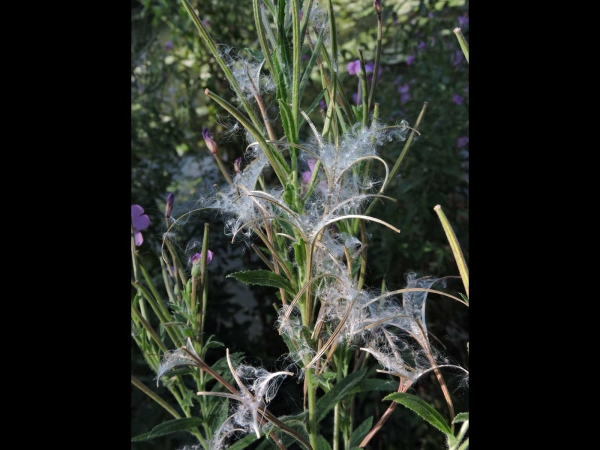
point(372, 384)
point(169, 427)
point(223, 412)
point(256, 54)
point(211, 344)
point(287, 120)
point(187, 399)
point(359, 433)
point(244, 442)
point(461, 417)
point(322, 444)
point(423, 409)
point(263, 278)
point(183, 371)
point(337, 393)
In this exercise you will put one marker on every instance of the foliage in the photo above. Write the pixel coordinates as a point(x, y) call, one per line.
point(307, 199)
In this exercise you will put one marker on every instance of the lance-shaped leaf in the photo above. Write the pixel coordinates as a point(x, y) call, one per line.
point(169, 427)
point(263, 278)
point(337, 393)
point(423, 409)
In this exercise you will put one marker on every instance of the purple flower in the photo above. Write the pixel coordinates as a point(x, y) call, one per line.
point(237, 165)
point(198, 257)
point(421, 46)
point(430, 15)
point(169, 206)
point(463, 20)
point(405, 97)
point(322, 104)
point(140, 222)
point(369, 66)
point(210, 143)
point(169, 45)
point(404, 88)
point(306, 176)
point(462, 141)
point(410, 59)
point(457, 99)
point(356, 99)
point(457, 57)
point(354, 67)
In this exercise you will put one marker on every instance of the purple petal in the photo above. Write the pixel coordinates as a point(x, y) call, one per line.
point(138, 238)
point(405, 97)
point(198, 256)
point(195, 257)
point(311, 163)
point(410, 59)
point(306, 176)
point(141, 223)
point(136, 211)
point(403, 88)
point(369, 66)
point(457, 99)
point(354, 67)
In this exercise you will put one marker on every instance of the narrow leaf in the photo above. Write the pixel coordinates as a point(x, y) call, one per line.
point(322, 444)
point(359, 433)
point(263, 278)
point(338, 392)
point(244, 442)
point(423, 409)
point(171, 426)
point(461, 417)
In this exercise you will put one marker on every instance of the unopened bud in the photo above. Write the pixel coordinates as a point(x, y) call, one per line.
point(210, 143)
point(237, 165)
point(169, 207)
point(195, 260)
point(377, 5)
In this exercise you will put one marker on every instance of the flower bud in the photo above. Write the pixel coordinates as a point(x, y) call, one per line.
point(377, 5)
point(210, 143)
point(237, 165)
point(169, 207)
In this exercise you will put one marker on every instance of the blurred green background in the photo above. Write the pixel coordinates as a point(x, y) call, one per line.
point(421, 62)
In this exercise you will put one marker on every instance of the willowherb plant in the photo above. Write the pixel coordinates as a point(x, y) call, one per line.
point(306, 193)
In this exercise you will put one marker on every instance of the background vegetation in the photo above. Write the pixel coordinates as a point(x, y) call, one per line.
point(421, 62)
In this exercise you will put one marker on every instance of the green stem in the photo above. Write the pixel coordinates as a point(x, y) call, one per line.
point(406, 146)
point(135, 274)
point(203, 284)
point(297, 47)
point(461, 435)
point(312, 413)
point(455, 246)
point(377, 57)
point(138, 384)
point(149, 329)
point(176, 341)
point(464, 45)
point(223, 170)
point(365, 89)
